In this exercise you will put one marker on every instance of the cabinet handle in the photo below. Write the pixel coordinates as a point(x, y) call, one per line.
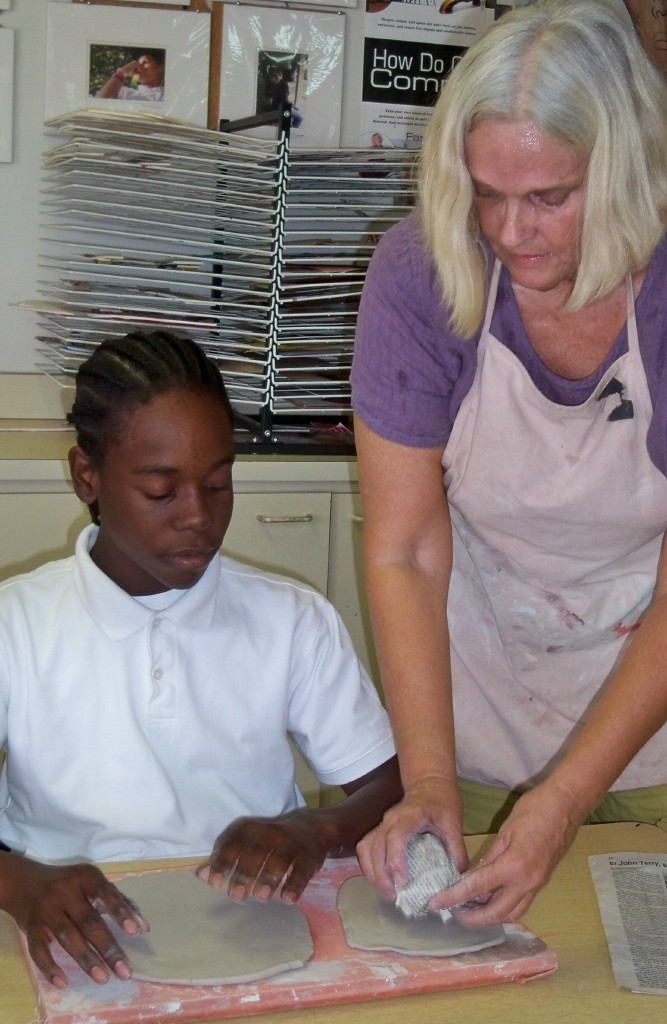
point(356, 518)
point(307, 518)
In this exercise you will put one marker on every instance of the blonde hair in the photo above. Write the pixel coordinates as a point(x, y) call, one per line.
point(576, 69)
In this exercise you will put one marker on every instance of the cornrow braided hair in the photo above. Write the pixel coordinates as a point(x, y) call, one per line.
point(123, 373)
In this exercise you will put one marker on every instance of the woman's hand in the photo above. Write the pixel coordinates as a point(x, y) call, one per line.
point(431, 805)
point(265, 856)
point(66, 904)
point(529, 844)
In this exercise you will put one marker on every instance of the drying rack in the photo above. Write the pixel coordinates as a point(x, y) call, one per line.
point(257, 251)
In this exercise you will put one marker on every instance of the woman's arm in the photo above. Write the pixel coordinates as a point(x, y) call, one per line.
point(408, 555)
point(544, 822)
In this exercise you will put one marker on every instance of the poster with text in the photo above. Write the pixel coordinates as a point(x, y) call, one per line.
point(409, 50)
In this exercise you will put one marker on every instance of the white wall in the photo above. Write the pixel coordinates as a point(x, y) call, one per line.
point(20, 185)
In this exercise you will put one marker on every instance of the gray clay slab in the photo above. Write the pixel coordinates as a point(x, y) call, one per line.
point(199, 936)
point(370, 922)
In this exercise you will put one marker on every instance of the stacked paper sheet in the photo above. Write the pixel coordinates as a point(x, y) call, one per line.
point(258, 254)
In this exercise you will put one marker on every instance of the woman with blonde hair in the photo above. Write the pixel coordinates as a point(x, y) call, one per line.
point(511, 342)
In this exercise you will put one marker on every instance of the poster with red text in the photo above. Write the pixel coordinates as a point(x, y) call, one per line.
point(410, 47)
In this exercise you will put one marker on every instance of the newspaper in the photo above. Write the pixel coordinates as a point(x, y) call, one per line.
point(632, 895)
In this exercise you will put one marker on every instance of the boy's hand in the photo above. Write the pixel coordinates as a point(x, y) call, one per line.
point(129, 69)
point(263, 856)
point(66, 904)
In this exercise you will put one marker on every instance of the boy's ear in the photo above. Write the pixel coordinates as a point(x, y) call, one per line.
point(84, 475)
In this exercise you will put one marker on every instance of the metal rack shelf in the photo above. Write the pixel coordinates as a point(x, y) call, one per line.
point(256, 252)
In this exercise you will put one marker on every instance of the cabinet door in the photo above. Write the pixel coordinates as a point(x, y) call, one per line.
point(347, 591)
point(284, 533)
point(37, 528)
point(288, 534)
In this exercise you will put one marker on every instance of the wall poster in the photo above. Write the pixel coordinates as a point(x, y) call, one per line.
point(409, 49)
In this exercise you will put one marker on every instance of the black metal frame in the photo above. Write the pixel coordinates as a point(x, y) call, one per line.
point(258, 436)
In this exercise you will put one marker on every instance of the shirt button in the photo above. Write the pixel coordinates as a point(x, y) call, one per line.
point(156, 623)
point(157, 673)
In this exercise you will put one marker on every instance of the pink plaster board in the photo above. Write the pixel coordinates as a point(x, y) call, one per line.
point(336, 974)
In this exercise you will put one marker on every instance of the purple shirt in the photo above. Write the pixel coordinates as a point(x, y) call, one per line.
point(411, 371)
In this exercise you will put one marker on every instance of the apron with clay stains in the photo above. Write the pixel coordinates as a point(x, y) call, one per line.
point(558, 516)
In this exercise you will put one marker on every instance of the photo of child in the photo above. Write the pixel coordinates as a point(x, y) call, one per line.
point(126, 73)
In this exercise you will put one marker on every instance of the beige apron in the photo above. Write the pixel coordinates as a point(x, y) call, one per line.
point(558, 516)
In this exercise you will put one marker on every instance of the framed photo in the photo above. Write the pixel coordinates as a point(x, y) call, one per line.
point(6, 93)
point(272, 57)
point(127, 60)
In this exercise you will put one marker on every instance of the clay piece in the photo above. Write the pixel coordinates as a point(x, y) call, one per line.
point(199, 936)
point(372, 923)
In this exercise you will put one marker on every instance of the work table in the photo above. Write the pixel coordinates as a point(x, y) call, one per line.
point(565, 915)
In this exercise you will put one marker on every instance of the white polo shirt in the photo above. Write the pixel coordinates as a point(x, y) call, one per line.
point(133, 732)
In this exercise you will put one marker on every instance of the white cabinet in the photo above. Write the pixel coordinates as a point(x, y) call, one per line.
point(345, 588)
point(38, 527)
point(315, 537)
point(296, 516)
point(284, 533)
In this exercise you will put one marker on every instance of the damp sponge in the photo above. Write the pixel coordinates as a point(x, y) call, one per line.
point(430, 870)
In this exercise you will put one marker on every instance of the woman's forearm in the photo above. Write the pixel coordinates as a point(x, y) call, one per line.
point(630, 709)
point(407, 560)
point(410, 629)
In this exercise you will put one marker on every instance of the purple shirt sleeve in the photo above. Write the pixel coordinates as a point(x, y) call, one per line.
point(651, 311)
point(411, 371)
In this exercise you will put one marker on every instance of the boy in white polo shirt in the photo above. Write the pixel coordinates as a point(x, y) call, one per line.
point(148, 685)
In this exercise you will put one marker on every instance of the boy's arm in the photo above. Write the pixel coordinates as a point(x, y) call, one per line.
point(65, 904)
point(263, 856)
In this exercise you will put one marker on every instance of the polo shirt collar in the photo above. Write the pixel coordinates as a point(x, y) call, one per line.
point(119, 615)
